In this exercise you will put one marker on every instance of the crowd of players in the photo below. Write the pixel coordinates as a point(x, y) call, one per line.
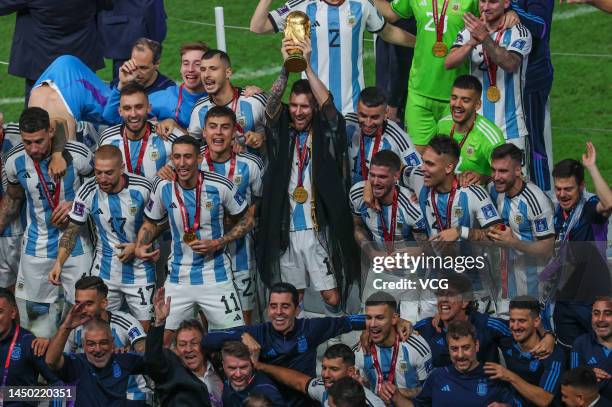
point(166, 254)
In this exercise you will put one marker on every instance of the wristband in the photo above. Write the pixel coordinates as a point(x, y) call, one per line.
point(465, 232)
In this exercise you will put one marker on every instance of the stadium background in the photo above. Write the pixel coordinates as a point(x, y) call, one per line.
point(581, 44)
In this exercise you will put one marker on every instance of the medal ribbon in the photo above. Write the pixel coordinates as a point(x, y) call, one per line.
point(181, 203)
point(234, 107)
point(211, 165)
point(53, 200)
point(143, 147)
point(439, 20)
point(449, 206)
point(364, 167)
point(7, 361)
point(302, 157)
point(464, 139)
point(379, 374)
point(389, 235)
point(2, 135)
point(491, 67)
point(179, 103)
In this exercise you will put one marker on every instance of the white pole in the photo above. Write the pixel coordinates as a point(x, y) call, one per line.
point(220, 28)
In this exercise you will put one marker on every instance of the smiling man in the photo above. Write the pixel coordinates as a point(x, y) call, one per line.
point(477, 136)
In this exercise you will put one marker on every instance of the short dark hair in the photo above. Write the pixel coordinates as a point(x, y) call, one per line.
point(193, 46)
point(188, 140)
point(581, 377)
point(381, 298)
point(92, 283)
point(211, 53)
point(506, 150)
point(460, 329)
point(526, 302)
point(341, 350)
point(34, 119)
point(468, 82)
point(373, 96)
point(282, 288)
point(387, 158)
point(8, 296)
point(192, 323)
point(347, 392)
point(569, 168)
point(445, 145)
point(257, 400)
point(155, 47)
point(236, 349)
point(131, 89)
point(301, 87)
point(220, 111)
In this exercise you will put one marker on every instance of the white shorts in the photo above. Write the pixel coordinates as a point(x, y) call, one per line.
point(10, 252)
point(33, 278)
point(218, 302)
point(307, 261)
point(138, 297)
point(522, 143)
point(245, 287)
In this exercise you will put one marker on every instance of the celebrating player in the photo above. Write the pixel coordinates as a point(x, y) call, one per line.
point(368, 131)
point(477, 136)
point(194, 206)
point(115, 200)
point(337, 30)
point(504, 54)
point(216, 71)
point(48, 202)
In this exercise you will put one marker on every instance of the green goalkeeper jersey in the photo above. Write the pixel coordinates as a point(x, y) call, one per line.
point(428, 77)
point(478, 146)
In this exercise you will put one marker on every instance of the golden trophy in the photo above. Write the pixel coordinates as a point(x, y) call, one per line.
point(297, 28)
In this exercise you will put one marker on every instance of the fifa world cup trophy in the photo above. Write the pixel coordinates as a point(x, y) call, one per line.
point(297, 28)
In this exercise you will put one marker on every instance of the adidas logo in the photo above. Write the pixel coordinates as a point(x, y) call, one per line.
point(26, 175)
point(99, 212)
point(445, 388)
point(238, 318)
point(173, 205)
point(592, 361)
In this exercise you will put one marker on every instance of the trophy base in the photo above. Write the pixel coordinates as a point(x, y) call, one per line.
point(295, 63)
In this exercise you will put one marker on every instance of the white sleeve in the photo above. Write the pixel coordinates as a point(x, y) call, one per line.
point(256, 181)
point(81, 206)
point(83, 161)
point(195, 127)
point(135, 331)
point(462, 38)
point(374, 22)
point(10, 171)
point(316, 389)
point(155, 209)
point(233, 202)
point(542, 225)
point(279, 15)
point(422, 359)
point(356, 198)
point(259, 112)
point(484, 210)
point(520, 40)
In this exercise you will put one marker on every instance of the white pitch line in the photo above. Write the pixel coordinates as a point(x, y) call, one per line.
point(235, 27)
point(569, 14)
point(10, 101)
point(3, 63)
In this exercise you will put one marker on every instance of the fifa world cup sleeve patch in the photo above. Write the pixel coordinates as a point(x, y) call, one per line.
point(541, 225)
point(79, 208)
point(488, 211)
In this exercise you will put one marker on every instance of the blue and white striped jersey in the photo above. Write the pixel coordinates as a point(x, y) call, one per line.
point(336, 34)
point(530, 216)
point(301, 218)
point(412, 178)
point(471, 207)
point(127, 330)
point(118, 218)
point(408, 219)
point(248, 179)
point(157, 153)
point(218, 196)
point(317, 391)
point(412, 367)
point(41, 238)
point(250, 113)
point(393, 138)
point(507, 113)
point(12, 137)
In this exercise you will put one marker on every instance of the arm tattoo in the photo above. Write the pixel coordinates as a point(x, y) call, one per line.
point(11, 205)
point(242, 227)
point(60, 137)
point(149, 231)
point(360, 233)
point(276, 94)
point(500, 56)
point(69, 237)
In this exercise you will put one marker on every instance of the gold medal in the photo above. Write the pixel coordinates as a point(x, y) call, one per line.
point(440, 49)
point(300, 195)
point(493, 94)
point(189, 237)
